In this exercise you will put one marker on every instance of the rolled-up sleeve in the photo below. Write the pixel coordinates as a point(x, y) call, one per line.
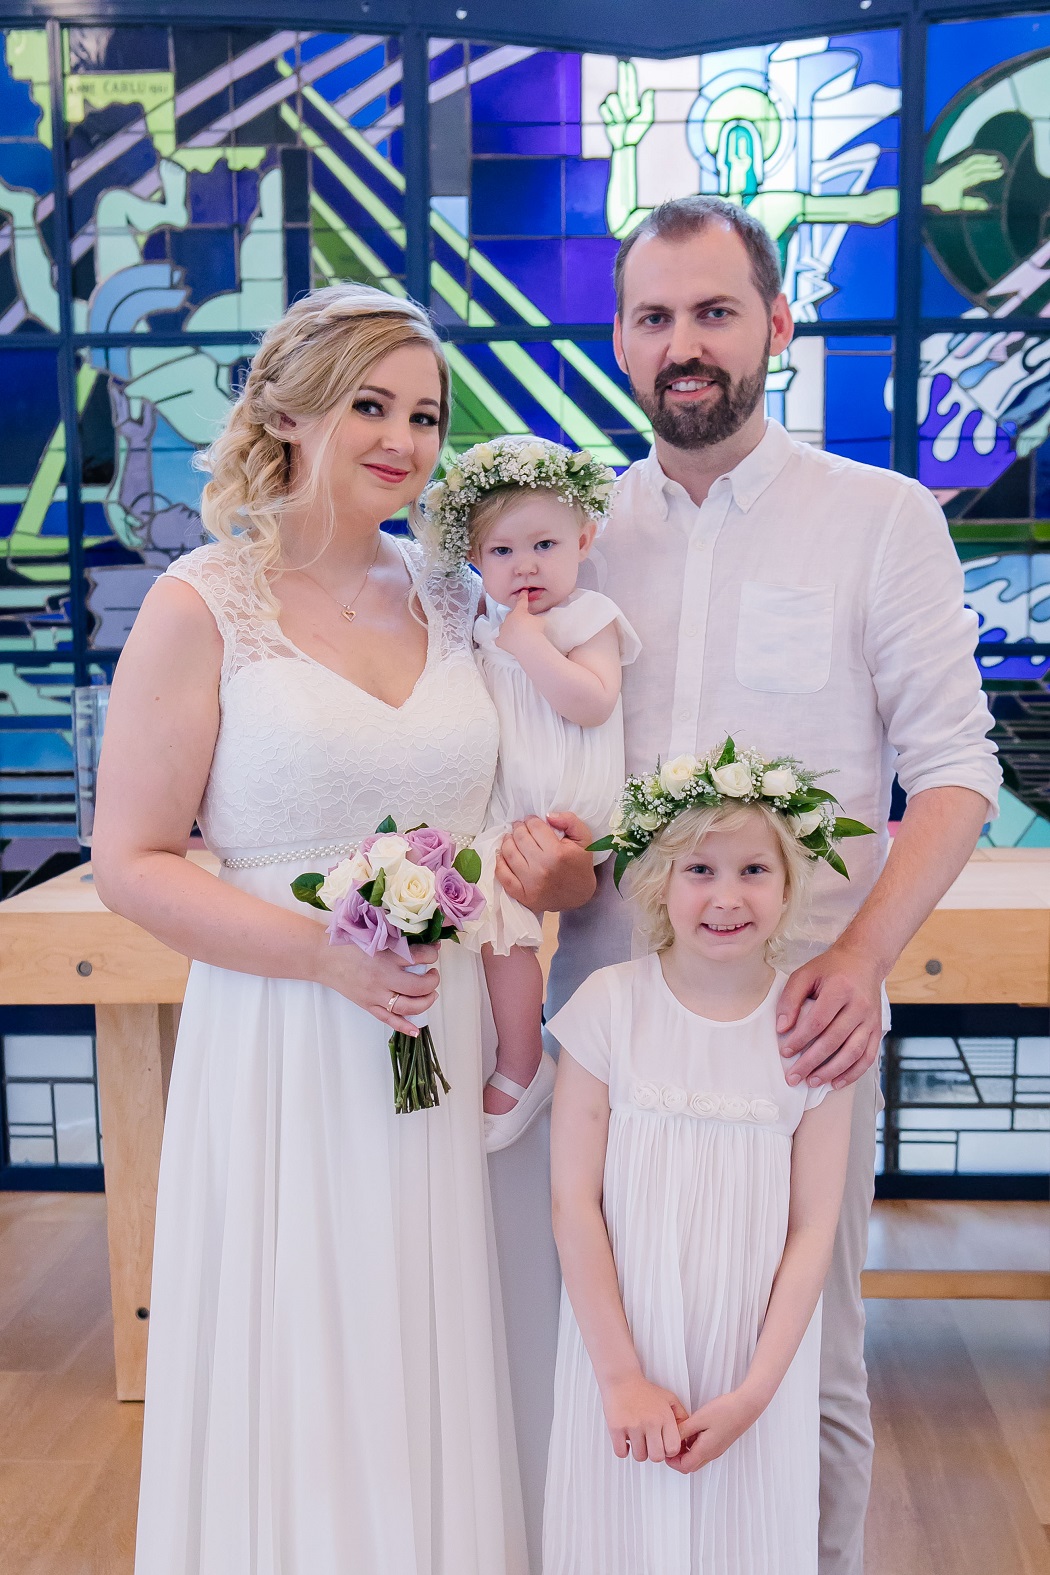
point(919, 646)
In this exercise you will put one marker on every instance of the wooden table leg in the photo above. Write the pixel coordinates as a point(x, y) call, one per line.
point(135, 1047)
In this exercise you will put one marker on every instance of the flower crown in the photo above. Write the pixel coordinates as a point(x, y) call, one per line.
point(578, 479)
point(649, 803)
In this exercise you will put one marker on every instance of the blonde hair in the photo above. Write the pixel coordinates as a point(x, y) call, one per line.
point(647, 877)
point(491, 506)
point(309, 366)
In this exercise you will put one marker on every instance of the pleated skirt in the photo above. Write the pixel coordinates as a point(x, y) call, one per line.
point(697, 1218)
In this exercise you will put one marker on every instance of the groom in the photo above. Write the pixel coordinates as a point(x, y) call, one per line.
point(810, 606)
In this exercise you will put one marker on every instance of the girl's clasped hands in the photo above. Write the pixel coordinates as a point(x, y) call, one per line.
point(648, 1422)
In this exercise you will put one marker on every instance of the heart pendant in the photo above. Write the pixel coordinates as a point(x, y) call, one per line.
point(349, 614)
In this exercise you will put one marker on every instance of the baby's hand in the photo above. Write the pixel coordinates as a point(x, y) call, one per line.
point(643, 1419)
point(520, 626)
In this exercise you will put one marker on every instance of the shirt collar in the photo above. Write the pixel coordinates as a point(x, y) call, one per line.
point(748, 480)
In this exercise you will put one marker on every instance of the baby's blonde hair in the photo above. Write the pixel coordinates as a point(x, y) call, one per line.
point(646, 879)
point(310, 365)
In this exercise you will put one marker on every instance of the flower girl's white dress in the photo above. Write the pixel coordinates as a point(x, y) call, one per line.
point(545, 762)
point(696, 1189)
point(327, 1389)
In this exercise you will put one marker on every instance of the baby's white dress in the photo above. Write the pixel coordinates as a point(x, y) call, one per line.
point(696, 1188)
point(545, 762)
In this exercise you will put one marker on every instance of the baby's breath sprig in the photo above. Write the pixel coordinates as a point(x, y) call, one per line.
point(577, 478)
point(649, 803)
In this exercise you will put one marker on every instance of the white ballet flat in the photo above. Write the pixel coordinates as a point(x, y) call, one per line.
point(502, 1131)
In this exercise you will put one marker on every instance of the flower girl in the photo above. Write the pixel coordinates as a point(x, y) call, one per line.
point(525, 512)
point(696, 1191)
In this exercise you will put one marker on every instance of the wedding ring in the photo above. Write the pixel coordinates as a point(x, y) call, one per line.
point(392, 1002)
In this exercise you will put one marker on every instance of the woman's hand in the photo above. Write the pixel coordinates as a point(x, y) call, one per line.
point(643, 1419)
point(373, 982)
point(709, 1432)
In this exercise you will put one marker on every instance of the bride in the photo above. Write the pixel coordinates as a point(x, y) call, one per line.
point(327, 1384)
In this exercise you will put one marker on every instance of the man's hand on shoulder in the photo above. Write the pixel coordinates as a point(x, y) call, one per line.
point(546, 872)
point(830, 1016)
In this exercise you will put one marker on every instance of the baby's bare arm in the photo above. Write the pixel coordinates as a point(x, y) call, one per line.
point(583, 686)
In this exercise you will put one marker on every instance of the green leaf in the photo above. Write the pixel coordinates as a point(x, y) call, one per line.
point(468, 864)
point(623, 858)
point(603, 845)
point(727, 756)
point(820, 796)
point(305, 888)
point(385, 827)
point(836, 863)
point(432, 934)
point(375, 896)
point(844, 827)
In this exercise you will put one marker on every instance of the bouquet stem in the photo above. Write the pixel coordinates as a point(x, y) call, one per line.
point(417, 1071)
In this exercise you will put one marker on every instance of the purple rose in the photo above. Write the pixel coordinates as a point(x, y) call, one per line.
point(459, 901)
point(431, 848)
point(355, 922)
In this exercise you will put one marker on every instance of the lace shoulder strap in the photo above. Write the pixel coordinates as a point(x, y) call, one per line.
point(453, 598)
point(223, 578)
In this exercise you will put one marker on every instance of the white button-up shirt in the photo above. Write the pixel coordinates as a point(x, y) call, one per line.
point(810, 606)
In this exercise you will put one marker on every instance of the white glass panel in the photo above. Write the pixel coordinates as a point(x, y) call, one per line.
point(77, 1134)
point(48, 1055)
point(1023, 1152)
point(29, 1102)
point(31, 1151)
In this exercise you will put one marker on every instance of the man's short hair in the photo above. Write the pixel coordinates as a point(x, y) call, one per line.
point(683, 217)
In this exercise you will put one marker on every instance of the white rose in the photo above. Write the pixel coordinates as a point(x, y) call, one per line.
point(410, 895)
point(484, 454)
point(765, 1110)
point(341, 877)
point(581, 460)
point(616, 819)
point(648, 820)
point(704, 1104)
point(386, 853)
point(677, 775)
point(645, 1095)
point(674, 1099)
point(434, 495)
point(808, 821)
point(533, 453)
point(734, 780)
point(454, 480)
point(779, 783)
point(735, 1107)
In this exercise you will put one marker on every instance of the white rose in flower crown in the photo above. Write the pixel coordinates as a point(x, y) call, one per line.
point(581, 460)
point(648, 820)
point(616, 819)
point(410, 896)
point(778, 783)
point(808, 821)
point(734, 780)
point(454, 480)
point(348, 872)
point(676, 776)
point(386, 853)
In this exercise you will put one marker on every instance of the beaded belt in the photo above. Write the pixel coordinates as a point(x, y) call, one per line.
point(333, 850)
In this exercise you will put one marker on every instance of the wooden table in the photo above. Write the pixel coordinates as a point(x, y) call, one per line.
point(58, 944)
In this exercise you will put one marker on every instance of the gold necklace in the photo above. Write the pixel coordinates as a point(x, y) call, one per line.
point(348, 610)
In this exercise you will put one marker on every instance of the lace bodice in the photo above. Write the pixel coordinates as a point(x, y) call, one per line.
point(305, 758)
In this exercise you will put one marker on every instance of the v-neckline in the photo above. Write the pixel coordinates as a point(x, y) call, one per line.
point(428, 614)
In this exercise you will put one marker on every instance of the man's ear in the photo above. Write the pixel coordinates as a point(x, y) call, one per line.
point(782, 325)
point(621, 361)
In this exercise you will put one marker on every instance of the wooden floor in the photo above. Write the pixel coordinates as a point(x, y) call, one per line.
point(959, 1395)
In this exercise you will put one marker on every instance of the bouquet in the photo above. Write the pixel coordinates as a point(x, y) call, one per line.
point(396, 887)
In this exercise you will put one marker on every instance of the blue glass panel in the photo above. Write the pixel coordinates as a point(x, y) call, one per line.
point(983, 400)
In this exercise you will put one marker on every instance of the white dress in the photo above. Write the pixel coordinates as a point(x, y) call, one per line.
point(696, 1203)
point(327, 1388)
point(545, 762)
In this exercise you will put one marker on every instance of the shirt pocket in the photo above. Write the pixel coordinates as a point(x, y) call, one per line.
point(784, 637)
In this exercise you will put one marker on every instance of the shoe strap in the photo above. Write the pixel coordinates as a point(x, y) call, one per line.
point(507, 1086)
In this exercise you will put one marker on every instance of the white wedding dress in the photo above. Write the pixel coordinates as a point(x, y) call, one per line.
point(327, 1389)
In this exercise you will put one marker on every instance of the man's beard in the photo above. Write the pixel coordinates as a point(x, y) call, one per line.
point(710, 420)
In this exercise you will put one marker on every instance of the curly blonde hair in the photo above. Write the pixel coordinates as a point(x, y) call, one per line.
point(309, 366)
point(646, 879)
